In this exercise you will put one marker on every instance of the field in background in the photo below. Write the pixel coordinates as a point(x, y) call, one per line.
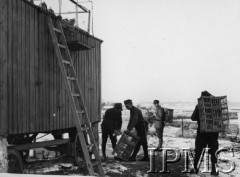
point(182, 113)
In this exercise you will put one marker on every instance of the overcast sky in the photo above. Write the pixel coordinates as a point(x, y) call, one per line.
point(169, 50)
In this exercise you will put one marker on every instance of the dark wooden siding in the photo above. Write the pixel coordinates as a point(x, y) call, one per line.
point(33, 97)
point(3, 67)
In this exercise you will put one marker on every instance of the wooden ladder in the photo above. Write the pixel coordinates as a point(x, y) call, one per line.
point(75, 96)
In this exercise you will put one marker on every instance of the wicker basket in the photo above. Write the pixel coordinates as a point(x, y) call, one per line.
point(213, 114)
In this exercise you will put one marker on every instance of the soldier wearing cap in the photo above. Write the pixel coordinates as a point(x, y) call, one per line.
point(137, 121)
point(112, 122)
point(159, 122)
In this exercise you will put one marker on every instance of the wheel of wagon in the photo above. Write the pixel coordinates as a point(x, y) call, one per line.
point(78, 152)
point(15, 163)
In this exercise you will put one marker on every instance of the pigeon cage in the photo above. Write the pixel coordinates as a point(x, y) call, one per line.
point(213, 114)
point(126, 145)
point(168, 115)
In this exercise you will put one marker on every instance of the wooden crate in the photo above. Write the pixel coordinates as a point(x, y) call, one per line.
point(213, 114)
point(168, 115)
point(126, 145)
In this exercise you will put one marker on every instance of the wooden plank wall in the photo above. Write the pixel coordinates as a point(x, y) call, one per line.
point(87, 65)
point(36, 100)
point(3, 67)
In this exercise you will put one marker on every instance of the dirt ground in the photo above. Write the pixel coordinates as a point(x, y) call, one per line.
point(172, 139)
point(113, 168)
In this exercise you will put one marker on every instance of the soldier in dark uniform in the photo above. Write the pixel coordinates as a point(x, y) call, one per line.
point(112, 122)
point(203, 139)
point(137, 121)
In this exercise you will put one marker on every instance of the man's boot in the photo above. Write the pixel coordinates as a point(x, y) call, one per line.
point(104, 158)
point(132, 159)
point(214, 171)
point(144, 159)
point(159, 144)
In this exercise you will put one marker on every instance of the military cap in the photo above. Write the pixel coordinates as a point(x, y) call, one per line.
point(205, 93)
point(127, 101)
point(118, 106)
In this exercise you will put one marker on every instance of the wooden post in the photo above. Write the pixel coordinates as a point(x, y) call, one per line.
point(182, 126)
point(3, 155)
point(96, 134)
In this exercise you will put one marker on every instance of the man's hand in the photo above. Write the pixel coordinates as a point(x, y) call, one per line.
point(117, 132)
point(125, 131)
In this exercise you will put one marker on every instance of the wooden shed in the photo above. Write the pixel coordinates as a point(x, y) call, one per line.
point(32, 95)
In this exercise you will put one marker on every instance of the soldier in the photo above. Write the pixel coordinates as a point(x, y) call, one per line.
point(203, 139)
point(159, 122)
point(137, 121)
point(112, 123)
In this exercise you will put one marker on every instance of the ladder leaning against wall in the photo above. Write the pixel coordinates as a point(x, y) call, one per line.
point(75, 96)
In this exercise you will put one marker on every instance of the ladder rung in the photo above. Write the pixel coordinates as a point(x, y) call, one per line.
point(62, 46)
point(95, 163)
point(90, 146)
point(66, 62)
point(75, 94)
point(71, 78)
point(57, 30)
point(80, 112)
point(85, 128)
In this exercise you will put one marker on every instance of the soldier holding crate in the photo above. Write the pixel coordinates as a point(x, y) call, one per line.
point(204, 139)
point(137, 121)
point(111, 125)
